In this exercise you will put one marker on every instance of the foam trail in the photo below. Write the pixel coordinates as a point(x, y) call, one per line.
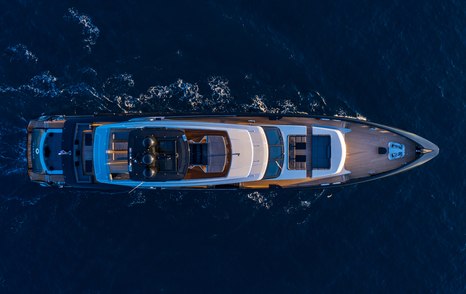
point(89, 30)
point(12, 150)
point(20, 52)
point(137, 199)
point(262, 199)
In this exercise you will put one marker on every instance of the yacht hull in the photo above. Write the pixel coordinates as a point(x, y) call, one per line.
point(61, 153)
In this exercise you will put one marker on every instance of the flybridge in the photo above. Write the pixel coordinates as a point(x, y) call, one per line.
point(157, 154)
point(174, 153)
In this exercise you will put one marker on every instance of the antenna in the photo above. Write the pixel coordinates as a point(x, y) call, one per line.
point(136, 187)
point(278, 164)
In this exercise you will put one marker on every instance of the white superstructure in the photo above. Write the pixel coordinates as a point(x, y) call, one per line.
point(248, 153)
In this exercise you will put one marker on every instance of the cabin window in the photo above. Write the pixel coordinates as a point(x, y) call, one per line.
point(275, 162)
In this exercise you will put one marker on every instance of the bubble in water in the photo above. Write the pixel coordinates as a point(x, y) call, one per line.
point(138, 198)
point(90, 31)
point(20, 52)
point(261, 199)
point(259, 104)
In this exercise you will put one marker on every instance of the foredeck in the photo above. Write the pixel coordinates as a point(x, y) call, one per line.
point(362, 143)
point(362, 158)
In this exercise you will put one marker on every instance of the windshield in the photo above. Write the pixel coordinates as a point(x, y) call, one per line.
point(275, 162)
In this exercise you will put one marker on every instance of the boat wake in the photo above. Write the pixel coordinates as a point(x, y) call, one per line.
point(82, 89)
point(20, 52)
point(12, 150)
point(89, 30)
point(264, 200)
point(116, 94)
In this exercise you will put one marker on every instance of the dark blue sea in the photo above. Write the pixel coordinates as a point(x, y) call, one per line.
point(399, 63)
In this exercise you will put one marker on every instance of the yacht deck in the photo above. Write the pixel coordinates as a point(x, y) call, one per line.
point(362, 143)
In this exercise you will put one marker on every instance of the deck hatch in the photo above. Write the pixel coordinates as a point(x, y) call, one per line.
point(321, 152)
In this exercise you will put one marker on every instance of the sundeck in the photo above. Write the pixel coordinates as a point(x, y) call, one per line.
point(217, 151)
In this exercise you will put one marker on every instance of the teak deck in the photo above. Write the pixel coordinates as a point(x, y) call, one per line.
point(362, 158)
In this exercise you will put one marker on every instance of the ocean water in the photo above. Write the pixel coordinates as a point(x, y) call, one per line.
point(399, 63)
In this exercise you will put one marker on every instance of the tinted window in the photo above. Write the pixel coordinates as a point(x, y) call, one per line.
point(275, 152)
point(275, 161)
point(272, 170)
point(273, 136)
